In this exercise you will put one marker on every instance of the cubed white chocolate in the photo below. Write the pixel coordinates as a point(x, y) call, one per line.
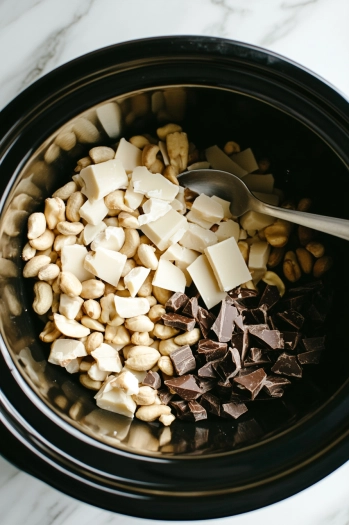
point(208, 209)
point(228, 264)
point(153, 210)
point(132, 199)
point(110, 117)
point(178, 205)
point(178, 253)
point(128, 382)
point(246, 160)
point(73, 258)
point(225, 205)
point(106, 264)
point(101, 179)
point(205, 281)
point(96, 374)
point(107, 358)
point(195, 219)
point(153, 184)
point(228, 229)
point(220, 161)
point(91, 232)
point(135, 278)
point(168, 276)
point(65, 350)
point(69, 306)
point(161, 230)
point(116, 400)
point(259, 254)
point(197, 238)
point(253, 220)
point(93, 212)
point(112, 238)
point(262, 183)
point(131, 306)
point(129, 155)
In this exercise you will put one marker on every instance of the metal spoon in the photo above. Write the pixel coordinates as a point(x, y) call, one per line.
point(233, 189)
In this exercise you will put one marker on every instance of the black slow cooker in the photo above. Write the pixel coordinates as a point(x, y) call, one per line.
point(216, 89)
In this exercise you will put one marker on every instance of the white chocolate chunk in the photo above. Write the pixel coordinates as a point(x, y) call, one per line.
point(135, 278)
point(202, 274)
point(90, 232)
point(228, 229)
point(106, 264)
point(131, 306)
point(132, 199)
point(242, 234)
point(168, 276)
point(259, 253)
point(164, 153)
point(69, 306)
point(96, 374)
point(73, 366)
point(153, 210)
point(65, 350)
point(208, 209)
point(176, 237)
point(112, 238)
point(228, 264)
point(263, 183)
point(73, 258)
point(179, 254)
point(110, 117)
point(107, 358)
point(253, 220)
point(195, 219)
point(129, 155)
point(93, 212)
point(116, 400)
point(225, 205)
point(220, 161)
point(139, 374)
point(197, 238)
point(246, 160)
point(153, 184)
point(161, 230)
point(127, 382)
point(101, 179)
point(178, 205)
point(269, 198)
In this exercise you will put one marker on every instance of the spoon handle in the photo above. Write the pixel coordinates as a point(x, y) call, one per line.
point(331, 225)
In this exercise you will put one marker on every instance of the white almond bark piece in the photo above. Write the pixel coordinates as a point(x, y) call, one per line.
point(129, 155)
point(131, 306)
point(108, 359)
point(101, 179)
point(179, 206)
point(139, 374)
point(153, 210)
point(117, 401)
point(225, 205)
point(106, 264)
point(69, 306)
point(135, 278)
point(269, 198)
point(197, 238)
point(93, 212)
point(220, 161)
point(73, 366)
point(168, 276)
point(228, 264)
point(253, 220)
point(242, 234)
point(70, 327)
point(90, 232)
point(196, 219)
point(164, 153)
point(96, 374)
point(262, 183)
point(259, 253)
point(202, 274)
point(127, 382)
point(110, 117)
point(153, 184)
point(176, 237)
point(246, 160)
point(179, 254)
point(161, 230)
point(111, 238)
point(228, 229)
point(73, 258)
point(208, 209)
point(65, 350)
point(132, 199)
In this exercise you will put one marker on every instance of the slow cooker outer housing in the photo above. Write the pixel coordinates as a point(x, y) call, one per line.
point(168, 487)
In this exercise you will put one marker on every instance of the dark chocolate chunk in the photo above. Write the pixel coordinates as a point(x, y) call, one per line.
point(224, 389)
point(270, 296)
point(208, 369)
point(272, 339)
point(184, 386)
point(255, 315)
point(230, 364)
point(176, 301)
point(291, 340)
point(152, 379)
point(237, 341)
point(191, 308)
point(293, 303)
point(205, 320)
point(197, 411)
point(252, 382)
point(239, 323)
point(234, 410)
point(274, 385)
point(181, 407)
point(165, 396)
point(310, 358)
point(291, 318)
point(183, 360)
point(212, 349)
point(205, 384)
point(287, 365)
point(255, 354)
point(223, 325)
point(211, 403)
point(179, 321)
point(242, 293)
point(314, 343)
point(247, 431)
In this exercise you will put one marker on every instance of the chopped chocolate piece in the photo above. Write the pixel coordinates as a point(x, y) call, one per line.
point(270, 296)
point(212, 349)
point(310, 358)
point(291, 340)
point(293, 303)
point(274, 385)
point(224, 388)
point(198, 412)
point(230, 364)
point(271, 323)
point(211, 403)
point(183, 360)
point(223, 325)
point(247, 431)
point(271, 338)
point(237, 341)
point(176, 301)
point(313, 313)
point(184, 386)
point(205, 384)
point(165, 396)
point(255, 354)
point(314, 343)
point(287, 365)
point(239, 323)
point(234, 410)
point(242, 293)
point(205, 320)
point(291, 318)
point(252, 382)
point(306, 288)
point(181, 407)
point(179, 321)
point(152, 379)
point(208, 370)
point(255, 315)
point(191, 308)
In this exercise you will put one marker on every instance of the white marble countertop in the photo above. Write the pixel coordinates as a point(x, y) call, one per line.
point(39, 35)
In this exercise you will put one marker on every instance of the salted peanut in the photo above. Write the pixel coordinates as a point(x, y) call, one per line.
point(146, 254)
point(43, 297)
point(49, 272)
point(316, 248)
point(74, 203)
point(93, 324)
point(142, 358)
point(69, 228)
point(131, 243)
point(89, 383)
point(188, 338)
point(177, 148)
point(165, 365)
point(145, 396)
point(277, 234)
point(273, 279)
point(92, 289)
point(44, 241)
point(276, 256)
point(70, 327)
point(231, 147)
point(69, 284)
point(108, 314)
point(152, 412)
point(304, 204)
point(139, 141)
point(161, 295)
point(166, 420)
point(54, 212)
point(34, 265)
point(36, 225)
point(101, 154)
point(291, 268)
point(167, 346)
point(149, 153)
point(151, 300)
point(322, 265)
point(92, 308)
point(305, 260)
point(66, 140)
point(83, 163)
point(117, 335)
point(85, 131)
point(305, 235)
point(52, 153)
point(167, 129)
point(28, 252)
point(65, 191)
point(156, 312)
point(141, 339)
point(140, 323)
point(162, 331)
point(93, 341)
point(126, 220)
point(244, 249)
point(115, 200)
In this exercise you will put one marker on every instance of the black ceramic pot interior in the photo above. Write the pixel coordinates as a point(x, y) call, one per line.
point(303, 166)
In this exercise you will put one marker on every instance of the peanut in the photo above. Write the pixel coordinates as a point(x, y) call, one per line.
point(36, 225)
point(277, 234)
point(322, 265)
point(275, 257)
point(316, 248)
point(70, 284)
point(291, 268)
point(43, 297)
point(152, 412)
point(305, 260)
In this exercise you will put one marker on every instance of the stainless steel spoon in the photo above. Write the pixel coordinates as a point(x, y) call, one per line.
point(233, 189)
